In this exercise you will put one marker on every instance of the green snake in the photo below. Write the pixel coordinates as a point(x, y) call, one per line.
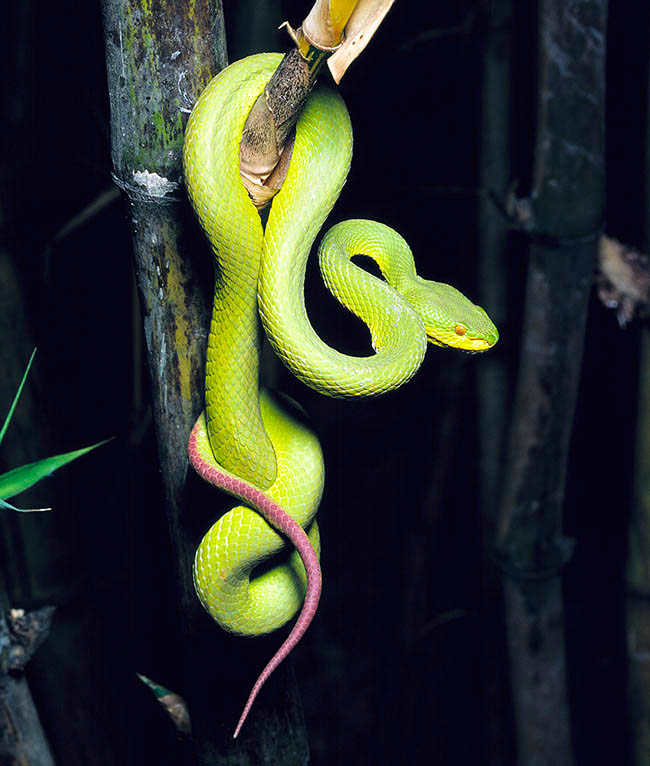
point(251, 443)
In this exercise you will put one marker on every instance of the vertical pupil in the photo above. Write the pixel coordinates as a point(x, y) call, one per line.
point(460, 330)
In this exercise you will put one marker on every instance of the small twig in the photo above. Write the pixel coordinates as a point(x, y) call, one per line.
point(93, 208)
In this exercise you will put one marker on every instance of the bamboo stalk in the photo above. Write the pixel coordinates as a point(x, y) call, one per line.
point(638, 576)
point(492, 372)
point(152, 80)
point(147, 137)
point(493, 233)
point(637, 605)
point(158, 61)
point(565, 215)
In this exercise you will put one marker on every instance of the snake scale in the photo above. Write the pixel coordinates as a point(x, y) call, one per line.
point(252, 443)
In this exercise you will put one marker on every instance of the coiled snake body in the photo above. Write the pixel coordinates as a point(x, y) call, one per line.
point(252, 443)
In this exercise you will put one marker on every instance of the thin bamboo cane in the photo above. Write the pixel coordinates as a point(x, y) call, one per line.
point(492, 372)
point(638, 576)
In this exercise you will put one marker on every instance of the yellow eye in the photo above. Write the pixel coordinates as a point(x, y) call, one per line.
point(460, 330)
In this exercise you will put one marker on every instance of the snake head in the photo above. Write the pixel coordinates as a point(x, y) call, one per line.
point(451, 319)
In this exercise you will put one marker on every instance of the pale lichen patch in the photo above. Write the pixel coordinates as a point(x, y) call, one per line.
point(156, 185)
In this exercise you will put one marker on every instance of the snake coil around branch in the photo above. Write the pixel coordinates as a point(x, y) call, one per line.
point(252, 443)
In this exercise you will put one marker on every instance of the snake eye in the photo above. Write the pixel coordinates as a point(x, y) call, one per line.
point(460, 330)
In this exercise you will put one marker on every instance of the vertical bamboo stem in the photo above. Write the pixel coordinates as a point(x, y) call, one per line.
point(565, 209)
point(638, 577)
point(638, 562)
point(158, 61)
point(492, 373)
point(151, 82)
point(493, 234)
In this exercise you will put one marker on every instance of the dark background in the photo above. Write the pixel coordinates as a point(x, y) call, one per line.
point(405, 661)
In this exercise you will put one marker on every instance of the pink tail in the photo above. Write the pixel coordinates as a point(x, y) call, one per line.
point(307, 613)
point(280, 520)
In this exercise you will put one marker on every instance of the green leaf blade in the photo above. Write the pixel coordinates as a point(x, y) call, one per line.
point(25, 476)
point(5, 425)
